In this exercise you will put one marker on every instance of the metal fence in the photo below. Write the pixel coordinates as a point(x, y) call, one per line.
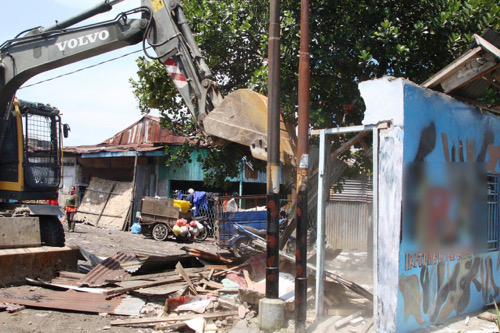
point(347, 224)
point(243, 202)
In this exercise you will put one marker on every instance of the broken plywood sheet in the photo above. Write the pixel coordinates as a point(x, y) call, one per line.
point(94, 200)
point(106, 203)
point(118, 207)
point(73, 301)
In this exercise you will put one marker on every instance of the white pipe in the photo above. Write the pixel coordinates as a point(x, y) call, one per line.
point(375, 223)
point(320, 226)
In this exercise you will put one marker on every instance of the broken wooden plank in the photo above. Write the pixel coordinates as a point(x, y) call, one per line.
point(163, 290)
point(140, 285)
point(167, 328)
point(210, 274)
point(184, 275)
point(125, 322)
point(180, 292)
point(231, 270)
point(212, 284)
point(191, 271)
point(216, 267)
point(206, 255)
point(344, 321)
point(247, 278)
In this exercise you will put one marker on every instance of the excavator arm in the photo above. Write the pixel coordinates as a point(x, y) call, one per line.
point(241, 117)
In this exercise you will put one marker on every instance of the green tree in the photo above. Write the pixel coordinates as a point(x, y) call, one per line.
point(351, 41)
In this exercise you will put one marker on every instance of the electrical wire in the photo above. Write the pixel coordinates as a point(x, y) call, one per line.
point(83, 68)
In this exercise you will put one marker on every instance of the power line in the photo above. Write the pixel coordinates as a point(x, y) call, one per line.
point(83, 68)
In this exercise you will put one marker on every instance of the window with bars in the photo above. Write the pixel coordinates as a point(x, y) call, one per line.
point(493, 212)
point(41, 149)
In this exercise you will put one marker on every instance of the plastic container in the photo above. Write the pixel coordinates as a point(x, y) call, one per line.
point(181, 222)
point(183, 205)
point(184, 231)
point(177, 230)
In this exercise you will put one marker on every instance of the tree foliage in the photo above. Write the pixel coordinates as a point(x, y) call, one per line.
point(350, 41)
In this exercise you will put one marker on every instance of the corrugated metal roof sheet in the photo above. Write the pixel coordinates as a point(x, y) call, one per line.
point(112, 268)
point(146, 131)
point(360, 190)
point(144, 135)
point(73, 301)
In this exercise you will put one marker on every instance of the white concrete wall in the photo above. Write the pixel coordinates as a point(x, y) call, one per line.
point(389, 217)
point(384, 100)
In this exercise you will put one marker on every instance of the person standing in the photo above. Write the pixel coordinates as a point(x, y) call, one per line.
point(190, 195)
point(71, 203)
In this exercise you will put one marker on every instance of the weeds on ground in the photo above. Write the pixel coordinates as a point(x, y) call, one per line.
point(497, 321)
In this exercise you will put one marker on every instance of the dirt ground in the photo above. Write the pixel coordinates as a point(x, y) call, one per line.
point(106, 243)
point(103, 243)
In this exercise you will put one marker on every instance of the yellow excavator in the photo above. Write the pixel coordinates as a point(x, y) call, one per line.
point(30, 154)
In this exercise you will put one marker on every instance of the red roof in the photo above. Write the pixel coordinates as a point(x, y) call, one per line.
point(144, 135)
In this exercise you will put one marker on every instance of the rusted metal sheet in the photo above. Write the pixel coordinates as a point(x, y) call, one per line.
point(37, 262)
point(145, 135)
point(146, 130)
point(128, 150)
point(112, 268)
point(73, 301)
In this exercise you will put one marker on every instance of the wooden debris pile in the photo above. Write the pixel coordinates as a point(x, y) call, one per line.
point(204, 297)
point(199, 290)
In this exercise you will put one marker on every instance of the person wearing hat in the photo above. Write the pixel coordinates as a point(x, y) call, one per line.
point(190, 195)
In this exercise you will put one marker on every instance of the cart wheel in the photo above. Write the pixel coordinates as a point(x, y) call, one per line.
point(239, 250)
point(160, 232)
point(202, 235)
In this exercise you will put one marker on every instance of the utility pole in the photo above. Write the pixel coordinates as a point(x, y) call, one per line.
point(271, 308)
point(302, 171)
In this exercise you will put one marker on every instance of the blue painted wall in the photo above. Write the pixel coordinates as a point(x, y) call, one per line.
point(194, 172)
point(445, 268)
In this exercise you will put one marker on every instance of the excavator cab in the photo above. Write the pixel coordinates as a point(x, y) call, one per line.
point(30, 159)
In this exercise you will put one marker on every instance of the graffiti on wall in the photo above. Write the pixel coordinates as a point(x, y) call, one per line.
point(441, 289)
point(444, 267)
point(413, 260)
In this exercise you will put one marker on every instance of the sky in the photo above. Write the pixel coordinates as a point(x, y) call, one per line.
point(97, 102)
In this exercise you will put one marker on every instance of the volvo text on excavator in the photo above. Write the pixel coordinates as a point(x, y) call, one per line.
point(26, 171)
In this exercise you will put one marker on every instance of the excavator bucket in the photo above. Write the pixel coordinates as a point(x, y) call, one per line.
point(242, 118)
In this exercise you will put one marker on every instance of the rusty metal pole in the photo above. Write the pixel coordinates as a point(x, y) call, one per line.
point(302, 171)
point(273, 149)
